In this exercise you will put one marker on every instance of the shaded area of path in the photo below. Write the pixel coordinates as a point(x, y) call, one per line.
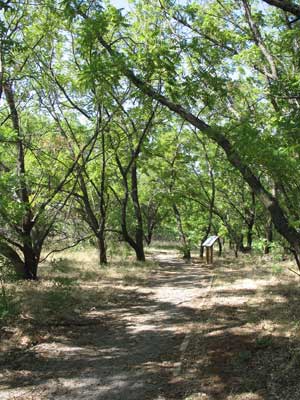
point(178, 335)
point(130, 350)
point(245, 342)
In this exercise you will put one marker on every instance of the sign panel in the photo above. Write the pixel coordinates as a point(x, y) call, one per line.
point(210, 241)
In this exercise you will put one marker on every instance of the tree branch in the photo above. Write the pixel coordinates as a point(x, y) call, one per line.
point(285, 5)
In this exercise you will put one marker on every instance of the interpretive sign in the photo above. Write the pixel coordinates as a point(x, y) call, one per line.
point(209, 250)
point(210, 241)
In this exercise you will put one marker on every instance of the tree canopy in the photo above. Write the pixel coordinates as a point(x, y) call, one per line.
point(167, 119)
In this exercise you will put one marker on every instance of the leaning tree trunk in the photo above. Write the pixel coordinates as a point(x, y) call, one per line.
point(278, 216)
point(13, 257)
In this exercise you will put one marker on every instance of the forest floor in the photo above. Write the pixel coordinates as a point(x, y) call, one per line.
point(166, 330)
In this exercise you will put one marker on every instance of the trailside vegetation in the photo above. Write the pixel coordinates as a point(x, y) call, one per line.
point(169, 120)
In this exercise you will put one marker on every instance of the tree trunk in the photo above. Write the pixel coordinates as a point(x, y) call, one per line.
point(152, 219)
point(212, 198)
point(31, 260)
point(186, 250)
point(269, 238)
point(251, 221)
point(13, 257)
point(250, 225)
point(139, 251)
point(139, 232)
point(137, 243)
point(148, 238)
point(201, 250)
point(249, 238)
point(236, 251)
point(102, 250)
point(102, 204)
point(240, 243)
point(97, 224)
point(220, 247)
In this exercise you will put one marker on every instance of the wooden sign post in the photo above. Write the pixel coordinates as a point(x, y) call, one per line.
point(209, 248)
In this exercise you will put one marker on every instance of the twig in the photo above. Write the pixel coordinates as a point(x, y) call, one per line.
point(67, 247)
point(295, 272)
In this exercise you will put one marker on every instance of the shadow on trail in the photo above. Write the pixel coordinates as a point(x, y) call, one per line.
point(244, 351)
point(128, 347)
point(105, 358)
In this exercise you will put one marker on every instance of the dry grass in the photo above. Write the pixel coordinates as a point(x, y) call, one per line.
point(72, 285)
point(246, 335)
point(84, 265)
point(246, 343)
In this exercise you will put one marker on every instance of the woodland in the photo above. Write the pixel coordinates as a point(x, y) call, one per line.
point(177, 120)
point(130, 133)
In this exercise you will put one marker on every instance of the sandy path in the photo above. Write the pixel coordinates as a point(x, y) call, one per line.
point(133, 351)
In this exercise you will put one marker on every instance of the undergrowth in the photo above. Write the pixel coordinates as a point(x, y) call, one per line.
point(70, 285)
point(8, 301)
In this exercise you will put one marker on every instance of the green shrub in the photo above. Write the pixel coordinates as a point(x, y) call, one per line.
point(277, 269)
point(60, 265)
point(184, 250)
point(264, 341)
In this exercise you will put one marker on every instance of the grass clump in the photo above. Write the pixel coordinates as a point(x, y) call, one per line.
point(276, 269)
point(8, 299)
point(70, 284)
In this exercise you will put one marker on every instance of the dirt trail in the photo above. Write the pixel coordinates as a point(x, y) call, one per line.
point(188, 332)
point(132, 351)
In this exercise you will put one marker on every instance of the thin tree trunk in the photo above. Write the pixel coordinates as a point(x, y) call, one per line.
point(103, 216)
point(31, 258)
point(211, 198)
point(259, 41)
point(240, 243)
point(184, 241)
point(137, 243)
point(220, 247)
point(269, 238)
point(236, 251)
point(250, 219)
point(97, 224)
point(152, 219)
point(249, 237)
point(102, 249)
point(139, 232)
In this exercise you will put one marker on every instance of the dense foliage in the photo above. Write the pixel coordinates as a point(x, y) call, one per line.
point(174, 120)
